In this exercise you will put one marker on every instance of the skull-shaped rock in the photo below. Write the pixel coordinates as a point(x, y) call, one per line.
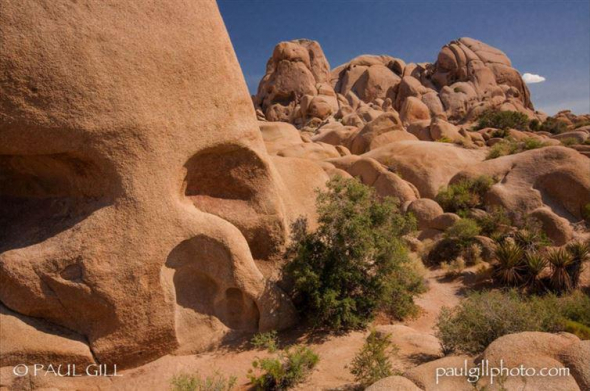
point(136, 196)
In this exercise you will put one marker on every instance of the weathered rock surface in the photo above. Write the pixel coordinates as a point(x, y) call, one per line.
point(136, 194)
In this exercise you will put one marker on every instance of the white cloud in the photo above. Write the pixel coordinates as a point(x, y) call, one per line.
point(531, 78)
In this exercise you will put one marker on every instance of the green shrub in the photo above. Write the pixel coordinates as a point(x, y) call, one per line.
point(289, 368)
point(532, 143)
point(501, 133)
point(505, 147)
point(535, 125)
point(217, 382)
point(578, 329)
point(464, 230)
point(372, 363)
point(509, 146)
point(267, 341)
point(554, 126)
point(464, 195)
point(485, 316)
point(494, 224)
point(503, 120)
point(355, 263)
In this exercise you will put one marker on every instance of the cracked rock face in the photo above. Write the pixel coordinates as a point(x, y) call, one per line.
point(136, 195)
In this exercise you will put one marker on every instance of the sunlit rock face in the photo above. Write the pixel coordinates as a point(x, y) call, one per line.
point(137, 200)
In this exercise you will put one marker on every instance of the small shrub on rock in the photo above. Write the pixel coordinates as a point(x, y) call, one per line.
point(503, 120)
point(355, 264)
point(372, 363)
point(465, 194)
point(464, 230)
point(554, 126)
point(495, 224)
point(509, 146)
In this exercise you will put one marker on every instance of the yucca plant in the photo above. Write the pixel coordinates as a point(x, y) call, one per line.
point(529, 239)
point(580, 253)
point(510, 267)
point(535, 264)
point(560, 261)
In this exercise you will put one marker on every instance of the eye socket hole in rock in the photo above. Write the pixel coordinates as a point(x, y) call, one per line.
point(229, 181)
point(42, 195)
point(202, 273)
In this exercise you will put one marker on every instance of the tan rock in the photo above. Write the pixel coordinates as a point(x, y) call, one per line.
point(556, 177)
point(424, 375)
point(278, 136)
point(29, 340)
point(148, 174)
point(428, 166)
point(444, 221)
point(398, 383)
point(386, 122)
point(425, 210)
point(558, 229)
point(414, 110)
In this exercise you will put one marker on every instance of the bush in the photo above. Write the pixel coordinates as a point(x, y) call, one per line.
point(372, 363)
point(485, 316)
point(494, 224)
point(464, 230)
point(535, 125)
point(554, 126)
point(268, 341)
point(503, 148)
point(464, 195)
point(454, 268)
point(289, 368)
point(217, 382)
point(355, 263)
point(503, 120)
point(510, 146)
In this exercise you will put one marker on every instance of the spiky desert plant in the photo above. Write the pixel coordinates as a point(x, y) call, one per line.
point(529, 239)
point(509, 269)
point(535, 264)
point(580, 253)
point(560, 260)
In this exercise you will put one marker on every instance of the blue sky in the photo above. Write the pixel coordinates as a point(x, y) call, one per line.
point(548, 38)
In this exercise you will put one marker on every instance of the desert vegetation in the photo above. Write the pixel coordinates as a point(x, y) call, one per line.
point(373, 362)
point(216, 382)
point(485, 316)
point(464, 195)
point(355, 264)
point(284, 370)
